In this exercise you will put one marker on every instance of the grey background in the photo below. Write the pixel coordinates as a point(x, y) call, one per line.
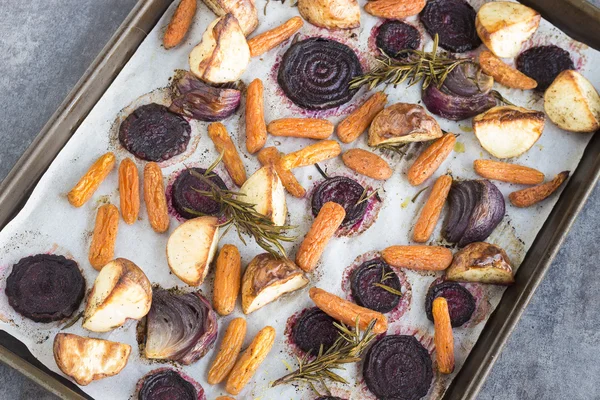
point(46, 45)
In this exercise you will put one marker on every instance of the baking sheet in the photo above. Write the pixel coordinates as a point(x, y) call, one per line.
point(49, 224)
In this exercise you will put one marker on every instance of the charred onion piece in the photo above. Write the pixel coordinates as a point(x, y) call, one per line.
point(314, 329)
point(186, 199)
point(465, 93)
point(476, 208)
point(395, 36)
point(454, 22)
point(45, 287)
point(398, 367)
point(168, 384)
point(153, 133)
point(543, 64)
point(344, 191)
point(315, 73)
point(373, 284)
point(461, 302)
point(198, 100)
point(179, 327)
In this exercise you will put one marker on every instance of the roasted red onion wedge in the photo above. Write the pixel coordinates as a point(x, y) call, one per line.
point(366, 289)
point(185, 197)
point(313, 329)
point(476, 207)
point(179, 327)
point(168, 384)
point(398, 367)
point(153, 133)
point(198, 100)
point(454, 22)
point(45, 287)
point(344, 191)
point(315, 73)
point(461, 302)
point(395, 36)
point(544, 63)
point(465, 93)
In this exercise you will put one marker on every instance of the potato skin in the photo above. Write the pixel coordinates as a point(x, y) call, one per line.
point(481, 262)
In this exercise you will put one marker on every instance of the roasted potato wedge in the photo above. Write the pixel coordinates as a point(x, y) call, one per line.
point(572, 103)
point(331, 14)
point(86, 359)
point(504, 26)
point(192, 247)
point(481, 262)
point(243, 10)
point(121, 291)
point(265, 190)
point(267, 278)
point(403, 123)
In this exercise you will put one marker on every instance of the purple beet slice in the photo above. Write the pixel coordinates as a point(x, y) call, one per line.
point(313, 329)
point(454, 22)
point(398, 367)
point(461, 302)
point(544, 63)
point(185, 197)
point(395, 36)
point(167, 384)
point(344, 191)
point(153, 133)
point(364, 287)
point(315, 73)
point(45, 287)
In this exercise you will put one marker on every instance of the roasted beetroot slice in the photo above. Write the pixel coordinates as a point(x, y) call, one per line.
point(398, 367)
point(167, 384)
point(315, 73)
point(364, 287)
point(395, 36)
point(461, 302)
point(185, 198)
point(344, 191)
point(454, 22)
point(45, 287)
point(153, 133)
point(544, 63)
point(313, 329)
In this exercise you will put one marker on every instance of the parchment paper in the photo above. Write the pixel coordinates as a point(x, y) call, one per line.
point(48, 223)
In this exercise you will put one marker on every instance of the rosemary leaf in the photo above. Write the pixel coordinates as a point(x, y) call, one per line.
point(365, 196)
point(397, 148)
point(72, 321)
point(388, 288)
point(418, 194)
point(347, 349)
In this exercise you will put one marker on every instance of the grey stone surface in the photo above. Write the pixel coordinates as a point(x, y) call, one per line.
point(46, 45)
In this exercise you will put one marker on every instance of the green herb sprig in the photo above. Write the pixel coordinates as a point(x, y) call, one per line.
point(384, 277)
point(243, 216)
point(348, 348)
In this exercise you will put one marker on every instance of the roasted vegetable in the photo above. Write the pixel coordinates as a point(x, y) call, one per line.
point(265, 190)
point(179, 327)
point(198, 100)
point(465, 93)
point(504, 26)
point(508, 131)
point(243, 10)
point(572, 103)
point(481, 262)
point(476, 208)
point(166, 383)
point(403, 123)
point(331, 14)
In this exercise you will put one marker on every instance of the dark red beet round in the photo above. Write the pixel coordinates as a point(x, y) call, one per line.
point(315, 73)
point(365, 291)
point(166, 384)
point(398, 367)
point(186, 199)
point(395, 36)
point(153, 133)
point(45, 287)
point(313, 329)
point(344, 191)
point(461, 302)
point(454, 22)
point(544, 63)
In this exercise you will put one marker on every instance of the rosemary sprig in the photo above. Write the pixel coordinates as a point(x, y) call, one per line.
point(418, 194)
point(397, 148)
point(365, 196)
point(348, 348)
point(72, 321)
point(388, 288)
point(428, 66)
point(243, 216)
